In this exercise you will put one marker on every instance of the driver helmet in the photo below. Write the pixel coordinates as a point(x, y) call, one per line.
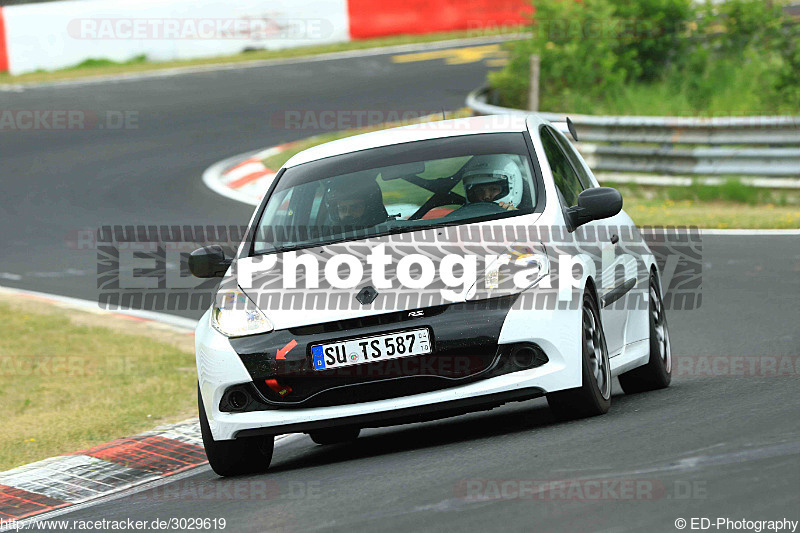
point(498, 170)
point(355, 200)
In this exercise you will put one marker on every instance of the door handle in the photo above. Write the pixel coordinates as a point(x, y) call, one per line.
point(614, 239)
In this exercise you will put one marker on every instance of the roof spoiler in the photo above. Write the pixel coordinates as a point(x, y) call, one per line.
point(567, 127)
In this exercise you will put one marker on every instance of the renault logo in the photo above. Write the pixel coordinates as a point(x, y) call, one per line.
point(367, 295)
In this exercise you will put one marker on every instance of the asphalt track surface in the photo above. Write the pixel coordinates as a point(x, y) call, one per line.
point(709, 446)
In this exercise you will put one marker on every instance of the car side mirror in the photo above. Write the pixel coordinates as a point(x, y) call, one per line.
point(594, 204)
point(209, 262)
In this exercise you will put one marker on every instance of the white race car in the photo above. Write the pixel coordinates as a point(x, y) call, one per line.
point(423, 272)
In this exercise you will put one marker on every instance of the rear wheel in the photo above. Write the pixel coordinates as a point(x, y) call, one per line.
point(657, 373)
point(334, 435)
point(593, 397)
point(249, 455)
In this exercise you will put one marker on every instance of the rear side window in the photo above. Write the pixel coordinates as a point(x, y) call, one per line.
point(564, 176)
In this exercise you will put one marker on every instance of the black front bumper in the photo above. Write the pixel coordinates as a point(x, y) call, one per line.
point(464, 348)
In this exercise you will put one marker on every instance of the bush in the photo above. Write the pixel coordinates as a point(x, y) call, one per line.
point(657, 57)
point(576, 58)
point(658, 33)
point(788, 82)
point(736, 25)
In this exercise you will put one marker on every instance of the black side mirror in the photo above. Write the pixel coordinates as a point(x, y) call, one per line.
point(594, 204)
point(209, 262)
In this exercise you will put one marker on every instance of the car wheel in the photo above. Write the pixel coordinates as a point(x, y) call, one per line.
point(593, 397)
point(657, 373)
point(236, 457)
point(334, 435)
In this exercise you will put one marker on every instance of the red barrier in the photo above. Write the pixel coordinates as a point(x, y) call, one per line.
point(3, 49)
point(369, 18)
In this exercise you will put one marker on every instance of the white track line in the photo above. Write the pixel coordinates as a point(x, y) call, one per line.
point(766, 232)
point(185, 324)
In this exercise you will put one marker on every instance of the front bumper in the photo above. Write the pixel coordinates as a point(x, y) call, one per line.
point(220, 367)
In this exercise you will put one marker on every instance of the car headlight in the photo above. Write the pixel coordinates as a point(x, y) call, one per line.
point(526, 267)
point(235, 315)
point(534, 266)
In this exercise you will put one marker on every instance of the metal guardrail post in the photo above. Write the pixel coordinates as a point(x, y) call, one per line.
point(533, 90)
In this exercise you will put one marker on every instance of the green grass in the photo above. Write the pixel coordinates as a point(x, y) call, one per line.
point(730, 205)
point(97, 63)
point(718, 215)
point(104, 67)
point(732, 190)
point(65, 386)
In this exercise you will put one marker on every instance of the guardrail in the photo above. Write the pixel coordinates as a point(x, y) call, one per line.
point(777, 141)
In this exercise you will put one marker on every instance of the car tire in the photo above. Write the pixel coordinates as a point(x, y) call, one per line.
point(657, 373)
point(334, 435)
point(593, 397)
point(249, 455)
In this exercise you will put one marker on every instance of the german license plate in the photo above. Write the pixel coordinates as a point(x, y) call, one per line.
point(370, 349)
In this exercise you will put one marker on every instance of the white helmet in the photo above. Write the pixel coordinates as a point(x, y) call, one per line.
point(496, 168)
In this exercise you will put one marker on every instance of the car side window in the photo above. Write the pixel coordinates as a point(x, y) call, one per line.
point(577, 163)
point(566, 179)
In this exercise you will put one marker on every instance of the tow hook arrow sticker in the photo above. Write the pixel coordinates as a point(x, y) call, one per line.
point(286, 349)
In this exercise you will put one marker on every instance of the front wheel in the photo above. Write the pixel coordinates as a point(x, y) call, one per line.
point(657, 373)
point(249, 455)
point(593, 397)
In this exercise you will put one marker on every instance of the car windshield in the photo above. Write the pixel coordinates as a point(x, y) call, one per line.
point(398, 188)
